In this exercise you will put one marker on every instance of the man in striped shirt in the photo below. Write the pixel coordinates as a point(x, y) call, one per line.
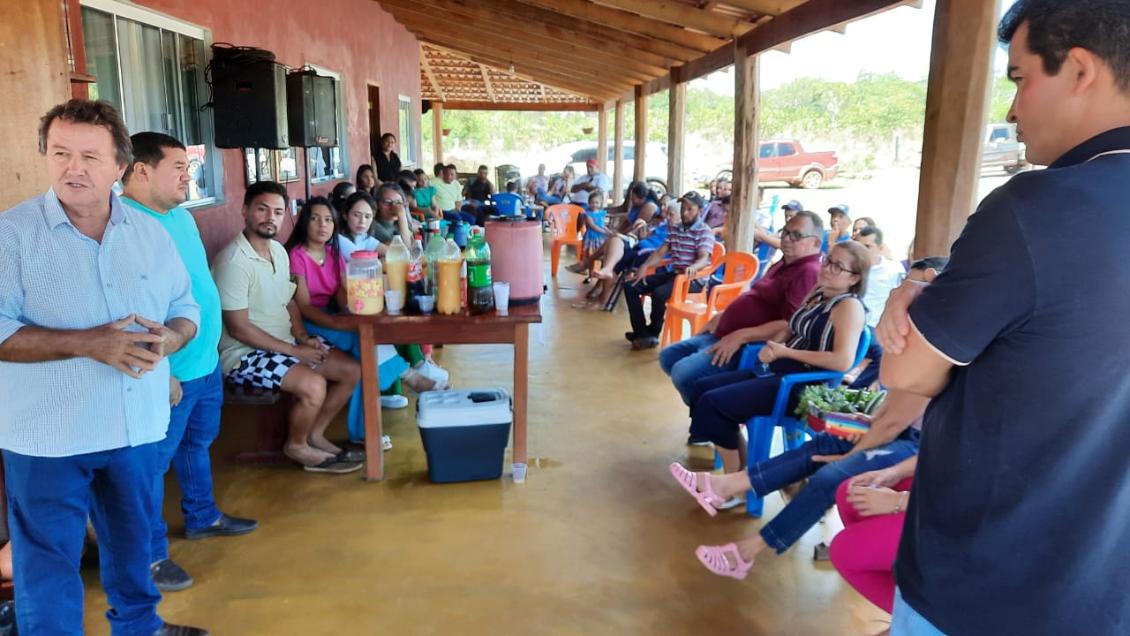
point(689, 244)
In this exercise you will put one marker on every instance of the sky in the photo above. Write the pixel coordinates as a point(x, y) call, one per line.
point(896, 41)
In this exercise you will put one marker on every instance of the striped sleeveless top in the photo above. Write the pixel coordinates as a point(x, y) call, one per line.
point(812, 325)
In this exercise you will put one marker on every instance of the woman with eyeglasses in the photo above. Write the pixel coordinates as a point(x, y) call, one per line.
point(823, 333)
point(391, 215)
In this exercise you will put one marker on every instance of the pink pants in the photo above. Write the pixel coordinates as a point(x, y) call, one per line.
point(864, 553)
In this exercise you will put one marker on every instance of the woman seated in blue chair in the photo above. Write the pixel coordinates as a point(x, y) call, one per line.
point(826, 460)
point(822, 334)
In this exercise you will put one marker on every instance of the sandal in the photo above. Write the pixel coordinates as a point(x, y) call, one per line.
point(713, 558)
point(332, 465)
point(350, 455)
point(707, 499)
point(576, 268)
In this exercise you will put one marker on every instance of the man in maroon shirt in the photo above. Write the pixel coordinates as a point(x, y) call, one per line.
point(754, 315)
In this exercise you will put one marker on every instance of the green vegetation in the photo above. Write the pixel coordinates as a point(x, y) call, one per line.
point(860, 119)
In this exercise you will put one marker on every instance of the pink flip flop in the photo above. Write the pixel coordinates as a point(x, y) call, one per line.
point(707, 499)
point(713, 558)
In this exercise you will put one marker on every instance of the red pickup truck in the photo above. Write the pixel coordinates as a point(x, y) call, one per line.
point(785, 160)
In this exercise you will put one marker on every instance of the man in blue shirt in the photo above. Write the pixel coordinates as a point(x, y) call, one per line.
point(156, 183)
point(90, 306)
point(1019, 518)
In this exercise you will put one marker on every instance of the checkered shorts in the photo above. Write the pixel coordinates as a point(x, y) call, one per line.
point(262, 369)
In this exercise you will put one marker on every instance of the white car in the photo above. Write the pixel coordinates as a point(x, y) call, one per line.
point(578, 153)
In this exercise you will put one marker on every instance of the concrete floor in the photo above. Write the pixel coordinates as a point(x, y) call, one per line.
point(599, 540)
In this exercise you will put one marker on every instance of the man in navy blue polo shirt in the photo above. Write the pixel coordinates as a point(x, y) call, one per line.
point(1020, 514)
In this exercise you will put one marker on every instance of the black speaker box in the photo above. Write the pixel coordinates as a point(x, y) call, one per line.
point(311, 106)
point(249, 102)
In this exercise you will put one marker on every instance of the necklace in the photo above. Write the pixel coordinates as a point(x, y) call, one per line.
point(320, 259)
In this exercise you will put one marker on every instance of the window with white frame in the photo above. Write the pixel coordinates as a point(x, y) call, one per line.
point(407, 132)
point(333, 162)
point(151, 67)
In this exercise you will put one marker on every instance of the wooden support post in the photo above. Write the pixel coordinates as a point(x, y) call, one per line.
point(35, 74)
point(641, 134)
point(602, 139)
point(618, 155)
point(743, 208)
point(437, 132)
point(956, 102)
point(676, 134)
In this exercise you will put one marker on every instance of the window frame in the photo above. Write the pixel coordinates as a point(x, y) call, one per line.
point(118, 9)
point(342, 133)
point(404, 102)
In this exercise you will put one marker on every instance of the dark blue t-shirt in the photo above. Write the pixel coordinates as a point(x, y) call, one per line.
point(1019, 522)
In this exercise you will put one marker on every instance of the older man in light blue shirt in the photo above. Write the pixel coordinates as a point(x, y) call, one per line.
point(92, 300)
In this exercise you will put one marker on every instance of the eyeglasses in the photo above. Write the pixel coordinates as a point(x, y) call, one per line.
point(794, 236)
point(393, 202)
point(836, 268)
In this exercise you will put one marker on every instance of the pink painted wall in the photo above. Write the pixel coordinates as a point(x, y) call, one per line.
point(355, 38)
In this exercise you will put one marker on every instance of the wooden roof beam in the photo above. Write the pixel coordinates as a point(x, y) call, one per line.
point(486, 82)
point(524, 106)
point(514, 46)
point(762, 7)
point(539, 73)
point(685, 15)
point(811, 17)
point(528, 25)
point(586, 12)
point(431, 78)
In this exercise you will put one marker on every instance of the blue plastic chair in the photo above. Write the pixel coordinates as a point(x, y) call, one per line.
point(793, 431)
point(507, 203)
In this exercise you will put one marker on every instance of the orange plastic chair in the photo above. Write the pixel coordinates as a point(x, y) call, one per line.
point(563, 219)
point(698, 308)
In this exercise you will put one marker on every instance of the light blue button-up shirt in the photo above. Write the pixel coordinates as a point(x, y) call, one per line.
point(53, 276)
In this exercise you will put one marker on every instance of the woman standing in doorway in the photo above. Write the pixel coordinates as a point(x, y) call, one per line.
point(387, 161)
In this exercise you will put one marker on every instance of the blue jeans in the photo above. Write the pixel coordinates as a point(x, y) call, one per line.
point(690, 360)
point(49, 500)
point(810, 504)
point(194, 424)
point(350, 343)
point(905, 621)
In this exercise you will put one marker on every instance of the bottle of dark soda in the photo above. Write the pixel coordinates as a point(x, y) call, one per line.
point(480, 291)
point(415, 278)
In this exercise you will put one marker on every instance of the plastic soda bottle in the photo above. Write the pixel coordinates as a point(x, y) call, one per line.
point(396, 266)
point(480, 291)
point(447, 276)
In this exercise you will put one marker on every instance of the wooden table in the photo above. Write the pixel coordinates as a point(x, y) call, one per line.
point(439, 329)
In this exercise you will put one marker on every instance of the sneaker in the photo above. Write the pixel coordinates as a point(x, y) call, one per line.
point(386, 443)
point(394, 402)
point(169, 577)
point(225, 526)
point(435, 373)
point(695, 440)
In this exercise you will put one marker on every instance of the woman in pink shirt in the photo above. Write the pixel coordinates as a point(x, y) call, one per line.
point(319, 273)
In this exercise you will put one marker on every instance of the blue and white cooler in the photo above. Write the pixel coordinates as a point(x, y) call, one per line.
point(464, 433)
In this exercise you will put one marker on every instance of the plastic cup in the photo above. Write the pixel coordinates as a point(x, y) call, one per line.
point(502, 297)
point(427, 303)
point(394, 301)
